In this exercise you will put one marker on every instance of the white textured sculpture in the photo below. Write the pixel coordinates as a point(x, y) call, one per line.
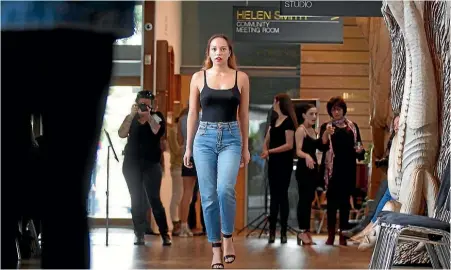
point(416, 144)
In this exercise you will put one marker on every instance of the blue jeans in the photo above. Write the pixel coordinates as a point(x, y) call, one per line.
point(217, 155)
point(387, 197)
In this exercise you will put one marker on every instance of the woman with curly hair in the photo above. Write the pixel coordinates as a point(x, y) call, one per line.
point(341, 149)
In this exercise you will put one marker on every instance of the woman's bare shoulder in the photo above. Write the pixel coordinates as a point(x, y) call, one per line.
point(198, 75)
point(242, 75)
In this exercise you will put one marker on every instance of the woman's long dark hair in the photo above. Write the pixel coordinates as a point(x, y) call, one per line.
point(303, 110)
point(287, 108)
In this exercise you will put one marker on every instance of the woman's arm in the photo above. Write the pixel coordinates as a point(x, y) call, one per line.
point(323, 140)
point(243, 110)
point(179, 134)
point(266, 140)
point(125, 126)
point(289, 136)
point(174, 146)
point(193, 111)
point(300, 135)
point(361, 154)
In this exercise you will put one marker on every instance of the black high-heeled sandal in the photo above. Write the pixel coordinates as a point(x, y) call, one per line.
point(230, 258)
point(217, 265)
point(283, 236)
point(272, 237)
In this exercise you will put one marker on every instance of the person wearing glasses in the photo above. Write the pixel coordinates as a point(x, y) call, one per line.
point(142, 170)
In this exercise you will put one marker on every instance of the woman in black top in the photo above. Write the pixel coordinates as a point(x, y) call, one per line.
point(278, 147)
point(143, 128)
point(306, 170)
point(338, 166)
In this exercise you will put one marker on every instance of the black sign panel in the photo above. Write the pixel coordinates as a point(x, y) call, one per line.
point(331, 8)
point(265, 24)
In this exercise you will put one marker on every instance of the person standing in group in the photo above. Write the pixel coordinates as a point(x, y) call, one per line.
point(278, 147)
point(175, 149)
point(307, 172)
point(221, 142)
point(143, 128)
point(189, 176)
point(341, 147)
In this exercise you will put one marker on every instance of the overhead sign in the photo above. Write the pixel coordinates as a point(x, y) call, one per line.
point(265, 24)
point(331, 8)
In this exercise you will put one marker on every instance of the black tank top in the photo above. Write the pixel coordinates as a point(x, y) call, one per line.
point(219, 105)
point(309, 146)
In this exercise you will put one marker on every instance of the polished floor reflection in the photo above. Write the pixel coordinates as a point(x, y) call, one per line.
point(196, 253)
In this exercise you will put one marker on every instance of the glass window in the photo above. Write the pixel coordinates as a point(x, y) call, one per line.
point(136, 39)
point(119, 102)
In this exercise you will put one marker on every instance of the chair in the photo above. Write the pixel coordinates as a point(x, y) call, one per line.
point(434, 232)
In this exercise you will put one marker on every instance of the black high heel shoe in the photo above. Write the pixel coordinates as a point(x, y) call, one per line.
point(283, 236)
point(283, 239)
point(217, 265)
point(272, 237)
point(229, 258)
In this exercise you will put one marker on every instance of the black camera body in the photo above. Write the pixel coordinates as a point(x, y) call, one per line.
point(143, 107)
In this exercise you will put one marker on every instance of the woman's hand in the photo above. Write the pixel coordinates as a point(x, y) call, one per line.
point(359, 147)
point(310, 162)
point(245, 157)
point(134, 110)
point(264, 154)
point(329, 130)
point(187, 158)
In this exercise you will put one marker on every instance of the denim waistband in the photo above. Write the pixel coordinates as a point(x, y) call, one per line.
point(218, 125)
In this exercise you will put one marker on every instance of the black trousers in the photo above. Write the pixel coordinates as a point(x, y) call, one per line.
point(338, 199)
point(140, 176)
point(279, 177)
point(64, 76)
point(192, 216)
point(306, 189)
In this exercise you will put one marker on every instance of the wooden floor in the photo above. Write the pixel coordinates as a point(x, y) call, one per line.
point(196, 253)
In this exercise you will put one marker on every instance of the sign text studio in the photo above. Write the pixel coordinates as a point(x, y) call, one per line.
point(298, 4)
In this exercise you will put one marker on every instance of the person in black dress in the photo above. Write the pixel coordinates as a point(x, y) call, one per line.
point(278, 146)
point(307, 172)
point(338, 165)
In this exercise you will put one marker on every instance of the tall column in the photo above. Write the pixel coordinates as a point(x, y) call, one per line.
point(148, 58)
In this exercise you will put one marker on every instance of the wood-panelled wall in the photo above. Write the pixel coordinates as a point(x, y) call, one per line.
point(339, 70)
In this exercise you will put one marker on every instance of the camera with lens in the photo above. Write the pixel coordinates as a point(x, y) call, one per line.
point(143, 107)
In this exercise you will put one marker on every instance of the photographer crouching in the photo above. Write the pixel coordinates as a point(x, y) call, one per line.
point(142, 170)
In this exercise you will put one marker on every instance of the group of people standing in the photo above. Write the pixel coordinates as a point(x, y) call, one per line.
point(339, 140)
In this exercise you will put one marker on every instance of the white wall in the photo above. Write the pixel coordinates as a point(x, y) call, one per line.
point(168, 21)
